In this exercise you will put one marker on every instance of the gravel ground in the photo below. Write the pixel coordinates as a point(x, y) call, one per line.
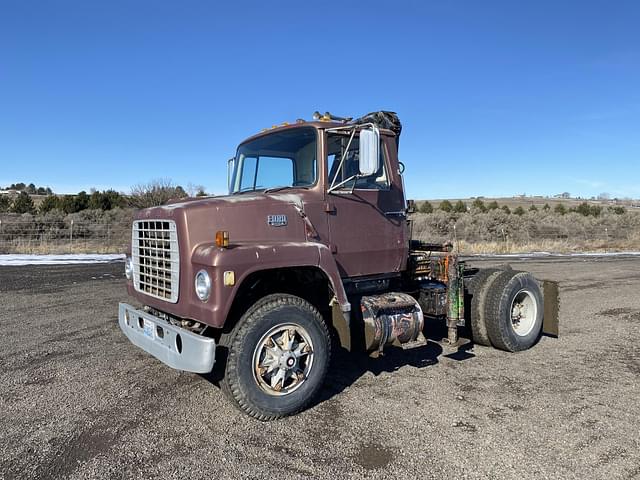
point(77, 400)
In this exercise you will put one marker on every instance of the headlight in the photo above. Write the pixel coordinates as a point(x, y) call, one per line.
point(203, 285)
point(128, 268)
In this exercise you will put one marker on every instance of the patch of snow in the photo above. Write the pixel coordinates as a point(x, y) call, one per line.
point(550, 254)
point(66, 259)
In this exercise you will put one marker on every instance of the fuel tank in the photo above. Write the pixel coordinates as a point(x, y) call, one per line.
point(390, 319)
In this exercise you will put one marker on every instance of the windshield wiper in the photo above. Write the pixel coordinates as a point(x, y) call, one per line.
point(283, 187)
point(244, 190)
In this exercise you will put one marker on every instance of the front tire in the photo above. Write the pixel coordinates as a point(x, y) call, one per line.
point(278, 356)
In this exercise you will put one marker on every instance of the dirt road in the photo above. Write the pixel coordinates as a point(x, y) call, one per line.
point(77, 400)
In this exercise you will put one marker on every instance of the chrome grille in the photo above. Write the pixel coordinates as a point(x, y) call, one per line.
point(156, 259)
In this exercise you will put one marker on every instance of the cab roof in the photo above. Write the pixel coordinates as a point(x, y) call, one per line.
point(317, 124)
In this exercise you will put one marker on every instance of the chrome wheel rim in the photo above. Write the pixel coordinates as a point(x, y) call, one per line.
point(283, 359)
point(524, 311)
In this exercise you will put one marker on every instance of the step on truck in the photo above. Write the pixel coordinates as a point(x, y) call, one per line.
point(310, 250)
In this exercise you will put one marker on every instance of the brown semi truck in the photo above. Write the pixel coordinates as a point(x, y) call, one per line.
point(311, 249)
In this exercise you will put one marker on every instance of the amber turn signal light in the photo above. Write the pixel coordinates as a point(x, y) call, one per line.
point(222, 238)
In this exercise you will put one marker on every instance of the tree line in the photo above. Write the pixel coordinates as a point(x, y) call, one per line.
point(30, 189)
point(154, 193)
point(478, 206)
point(23, 203)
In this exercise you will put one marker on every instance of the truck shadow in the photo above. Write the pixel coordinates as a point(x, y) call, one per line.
point(346, 368)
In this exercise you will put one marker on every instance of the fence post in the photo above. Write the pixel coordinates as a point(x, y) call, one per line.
point(71, 235)
point(606, 240)
point(455, 239)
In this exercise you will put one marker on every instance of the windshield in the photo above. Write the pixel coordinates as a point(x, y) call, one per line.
point(281, 159)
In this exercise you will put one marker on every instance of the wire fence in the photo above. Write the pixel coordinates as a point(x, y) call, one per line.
point(470, 233)
point(505, 233)
point(63, 236)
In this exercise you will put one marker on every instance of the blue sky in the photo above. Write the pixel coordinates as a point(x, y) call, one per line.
point(496, 98)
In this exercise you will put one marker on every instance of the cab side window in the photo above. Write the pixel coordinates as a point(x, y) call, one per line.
point(340, 170)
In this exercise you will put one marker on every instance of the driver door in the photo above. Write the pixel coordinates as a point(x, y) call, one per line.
point(367, 223)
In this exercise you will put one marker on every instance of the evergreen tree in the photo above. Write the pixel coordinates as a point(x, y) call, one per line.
point(5, 203)
point(81, 201)
point(23, 204)
point(50, 202)
point(426, 207)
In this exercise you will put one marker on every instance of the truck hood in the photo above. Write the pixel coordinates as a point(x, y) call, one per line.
point(245, 217)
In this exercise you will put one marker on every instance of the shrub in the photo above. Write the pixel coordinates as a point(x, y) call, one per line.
point(493, 205)
point(519, 211)
point(533, 208)
point(618, 210)
point(560, 209)
point(546, 207)
point(446, 206)
point(426, 207)
point(460, 207)
point(585, 209)
point(479, 205)
point(506, 209)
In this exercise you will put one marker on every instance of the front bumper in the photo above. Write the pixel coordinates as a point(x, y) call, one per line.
point(175, 346)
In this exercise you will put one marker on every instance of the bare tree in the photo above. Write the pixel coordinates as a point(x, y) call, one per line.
point(156, 192)
point(194, 190)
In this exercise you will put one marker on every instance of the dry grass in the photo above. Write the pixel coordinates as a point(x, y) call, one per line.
point(552, 246)
point(55, 248)
point(498, 232)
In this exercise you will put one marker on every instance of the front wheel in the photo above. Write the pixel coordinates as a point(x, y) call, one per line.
point(278, 355)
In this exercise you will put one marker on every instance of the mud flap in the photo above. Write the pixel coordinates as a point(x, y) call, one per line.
point(342, 324)
point(550, 322)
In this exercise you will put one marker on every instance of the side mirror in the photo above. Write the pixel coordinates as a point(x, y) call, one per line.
point(230, 164)
point(369, 161)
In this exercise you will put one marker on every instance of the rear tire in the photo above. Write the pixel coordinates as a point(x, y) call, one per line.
point(478, 286)
point(278, 355)
point(513, 311)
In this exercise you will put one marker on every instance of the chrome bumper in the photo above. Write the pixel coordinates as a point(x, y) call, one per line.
point(175, 346)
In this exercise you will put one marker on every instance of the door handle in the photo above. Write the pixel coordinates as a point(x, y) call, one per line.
point(400, 213)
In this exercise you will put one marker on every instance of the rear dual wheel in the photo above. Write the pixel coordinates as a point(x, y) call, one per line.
point(513, 311)
point(506, 309)
point(478, 286)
